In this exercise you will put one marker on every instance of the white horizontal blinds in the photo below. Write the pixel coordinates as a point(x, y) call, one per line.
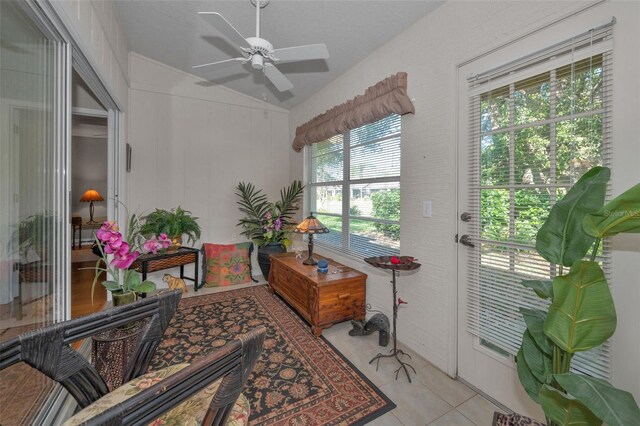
point(326, 187)
point(531, 138)
point(375, 150)
point(326, 160)
point(374, 187)
point(355, 188)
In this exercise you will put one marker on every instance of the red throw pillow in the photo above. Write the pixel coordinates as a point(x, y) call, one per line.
point(226, 264)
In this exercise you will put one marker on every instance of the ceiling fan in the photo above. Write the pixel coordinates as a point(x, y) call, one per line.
point(259, 51)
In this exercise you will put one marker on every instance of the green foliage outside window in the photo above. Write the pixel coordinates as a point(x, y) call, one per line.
point(386, 205)
point(544, 154)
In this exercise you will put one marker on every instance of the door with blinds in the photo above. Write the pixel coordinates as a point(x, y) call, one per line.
point(528, 131)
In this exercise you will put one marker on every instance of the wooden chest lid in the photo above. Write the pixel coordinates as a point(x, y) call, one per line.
point(337, 271)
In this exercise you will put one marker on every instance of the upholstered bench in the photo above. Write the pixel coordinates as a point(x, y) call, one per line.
point(190, 412)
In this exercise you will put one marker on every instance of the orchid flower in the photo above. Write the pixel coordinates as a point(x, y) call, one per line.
point(164, 240)
point(123, 258)
point(113, 242)
point(106, 229)
point(152, 245)
point(125, 250)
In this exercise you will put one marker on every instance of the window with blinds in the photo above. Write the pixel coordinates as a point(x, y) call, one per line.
point(354, 188)
point(536, 126)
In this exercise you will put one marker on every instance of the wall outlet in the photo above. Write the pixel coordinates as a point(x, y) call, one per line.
point(426, 208)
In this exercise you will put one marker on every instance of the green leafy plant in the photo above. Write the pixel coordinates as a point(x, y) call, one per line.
point(35, 232)
point(174, 223)
point(267, 222)
point(386, 205)
point(582, 314)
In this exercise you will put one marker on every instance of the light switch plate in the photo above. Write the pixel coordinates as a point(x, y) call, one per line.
point(426, 208)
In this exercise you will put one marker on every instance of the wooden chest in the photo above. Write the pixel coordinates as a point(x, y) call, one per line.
point(321, 299)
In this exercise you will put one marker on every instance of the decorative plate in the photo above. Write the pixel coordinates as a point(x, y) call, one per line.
point(405, 263)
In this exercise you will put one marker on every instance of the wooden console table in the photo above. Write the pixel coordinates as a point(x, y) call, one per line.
point(321, 299)
point(156, 262)
point(77, 225)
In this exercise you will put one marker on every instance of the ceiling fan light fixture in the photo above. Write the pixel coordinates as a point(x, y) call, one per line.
point(257, 61)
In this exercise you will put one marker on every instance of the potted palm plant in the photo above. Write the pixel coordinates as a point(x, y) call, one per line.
point(268, 224)
point(581, 314)
point(175, 223)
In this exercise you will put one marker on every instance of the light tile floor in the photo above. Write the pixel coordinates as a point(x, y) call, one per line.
point(433, 398)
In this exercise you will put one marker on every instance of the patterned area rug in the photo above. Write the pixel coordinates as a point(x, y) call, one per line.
point(299, 379)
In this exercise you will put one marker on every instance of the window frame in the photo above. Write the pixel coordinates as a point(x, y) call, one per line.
point(346, 183)
point(598, 361)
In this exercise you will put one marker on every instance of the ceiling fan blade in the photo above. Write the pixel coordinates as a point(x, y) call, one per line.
point(301, 53)
point(222, 25)
point(221, 64)
point(278, 79)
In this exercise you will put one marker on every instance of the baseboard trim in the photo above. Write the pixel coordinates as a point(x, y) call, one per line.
point(487, 397)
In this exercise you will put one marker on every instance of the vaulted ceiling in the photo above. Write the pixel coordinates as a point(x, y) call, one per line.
point(171, 32)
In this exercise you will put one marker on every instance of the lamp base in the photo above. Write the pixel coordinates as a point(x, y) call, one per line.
point(91, 221)
point(310, 261)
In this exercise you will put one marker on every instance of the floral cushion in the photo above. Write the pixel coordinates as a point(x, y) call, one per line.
point(190, 412)
point(226, 264)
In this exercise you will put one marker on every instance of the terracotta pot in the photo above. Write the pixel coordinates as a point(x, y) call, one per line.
point(264, 254)
point(123, 298)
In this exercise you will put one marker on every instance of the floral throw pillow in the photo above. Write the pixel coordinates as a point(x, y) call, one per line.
point(226, 264)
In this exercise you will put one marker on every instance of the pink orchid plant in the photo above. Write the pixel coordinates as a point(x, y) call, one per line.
point(124, 251)
point(273, 227)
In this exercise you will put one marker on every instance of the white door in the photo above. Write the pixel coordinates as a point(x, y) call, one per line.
point(480, 363)
point(527, 132)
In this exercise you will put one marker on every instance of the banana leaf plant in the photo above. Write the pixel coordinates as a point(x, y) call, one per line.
point(581, 314)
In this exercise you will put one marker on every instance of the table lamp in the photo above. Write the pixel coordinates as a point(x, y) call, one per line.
point(90, 196)
point(310, 226)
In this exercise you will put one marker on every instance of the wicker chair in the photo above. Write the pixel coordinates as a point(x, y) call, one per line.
point(219, 376)
point(207, 392)
point(48, 349)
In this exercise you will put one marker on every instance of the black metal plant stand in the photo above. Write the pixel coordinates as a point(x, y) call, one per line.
point(406, 263)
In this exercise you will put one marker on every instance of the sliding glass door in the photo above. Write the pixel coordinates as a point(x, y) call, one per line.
point(33, 195)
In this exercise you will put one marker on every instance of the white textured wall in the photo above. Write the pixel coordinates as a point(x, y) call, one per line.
point(96, 27)
point(430, 51)
point(192, 144)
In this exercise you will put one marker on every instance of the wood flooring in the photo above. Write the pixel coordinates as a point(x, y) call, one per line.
point(82, 274)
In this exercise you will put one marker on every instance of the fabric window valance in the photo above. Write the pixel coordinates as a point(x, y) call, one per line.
point(386, 97)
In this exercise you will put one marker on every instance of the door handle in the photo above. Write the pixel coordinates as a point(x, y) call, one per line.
point(465, 240)
point(465, 217)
